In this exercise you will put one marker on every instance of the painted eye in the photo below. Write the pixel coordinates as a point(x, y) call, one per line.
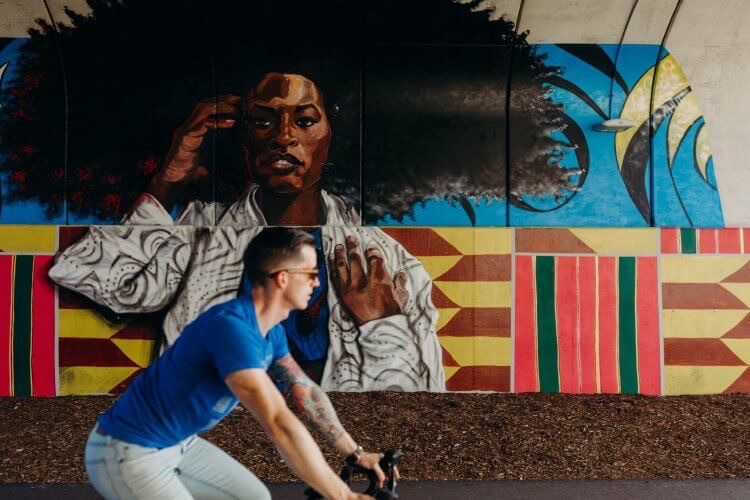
point(306, 122)
point(261, 123)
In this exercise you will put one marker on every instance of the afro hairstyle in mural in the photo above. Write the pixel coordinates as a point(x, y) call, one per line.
point(89, 115)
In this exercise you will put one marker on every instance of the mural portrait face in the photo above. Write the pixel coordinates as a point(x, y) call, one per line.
point(287, 133)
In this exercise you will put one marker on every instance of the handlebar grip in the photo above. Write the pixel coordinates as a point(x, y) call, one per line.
point(390, 459)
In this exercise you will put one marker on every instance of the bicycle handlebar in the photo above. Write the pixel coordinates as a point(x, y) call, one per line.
point(390, 459)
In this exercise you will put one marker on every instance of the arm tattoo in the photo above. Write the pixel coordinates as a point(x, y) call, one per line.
point(308, 397)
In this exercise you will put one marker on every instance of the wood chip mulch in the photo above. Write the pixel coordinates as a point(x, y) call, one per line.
point(446, 436)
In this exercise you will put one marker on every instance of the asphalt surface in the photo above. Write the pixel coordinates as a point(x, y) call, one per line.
point(485, 490)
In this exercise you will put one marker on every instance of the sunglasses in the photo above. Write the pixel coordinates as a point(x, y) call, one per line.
point(312, 274)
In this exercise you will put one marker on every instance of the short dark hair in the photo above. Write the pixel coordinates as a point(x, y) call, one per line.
point(272, 247)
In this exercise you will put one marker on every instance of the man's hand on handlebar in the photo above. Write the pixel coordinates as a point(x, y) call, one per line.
point(372, 461)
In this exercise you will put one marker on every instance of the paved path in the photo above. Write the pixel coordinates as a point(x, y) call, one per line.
point(484, 490)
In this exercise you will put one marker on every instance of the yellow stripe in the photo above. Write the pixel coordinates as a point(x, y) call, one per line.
point(83, 380)
point(703, 324)
point(85, 323)
point(700, 379)
point(28, 238)
point(477, 241)
point(631, 241)
point(477, 293)
point(478, 351)
point(699, 269)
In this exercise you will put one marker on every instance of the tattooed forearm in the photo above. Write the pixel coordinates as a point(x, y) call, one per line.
point(308, 397)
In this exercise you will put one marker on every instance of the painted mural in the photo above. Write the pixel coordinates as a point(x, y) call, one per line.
point(706, 321)
point(435, 144)
point(579, 310)
point(134, 171)
point(587, 323)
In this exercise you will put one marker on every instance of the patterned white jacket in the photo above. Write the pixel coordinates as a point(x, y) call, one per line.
point(151, 262)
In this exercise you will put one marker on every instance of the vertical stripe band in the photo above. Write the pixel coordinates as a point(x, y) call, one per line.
point(627, 335)
point(22, 325)
point(545, 317)
point(687, 240)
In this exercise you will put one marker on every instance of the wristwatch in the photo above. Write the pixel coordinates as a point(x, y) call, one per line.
point(355, 456)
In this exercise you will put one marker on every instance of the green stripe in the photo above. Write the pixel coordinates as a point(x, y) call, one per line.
point(627, 339)
point(687, 240)
point(545, 319)
point(22, 325)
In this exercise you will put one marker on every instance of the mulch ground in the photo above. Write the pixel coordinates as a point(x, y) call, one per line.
point(443, 436)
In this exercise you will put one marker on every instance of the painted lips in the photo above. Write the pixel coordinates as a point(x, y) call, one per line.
point(283, 167)
point(283, 164)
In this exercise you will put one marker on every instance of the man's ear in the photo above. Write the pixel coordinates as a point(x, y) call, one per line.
point(281, 279)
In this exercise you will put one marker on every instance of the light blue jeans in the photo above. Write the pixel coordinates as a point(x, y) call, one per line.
point(193, 468)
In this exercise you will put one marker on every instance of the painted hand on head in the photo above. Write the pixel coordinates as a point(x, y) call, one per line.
point(181, 166)
point(366, 296)
point(181, 161)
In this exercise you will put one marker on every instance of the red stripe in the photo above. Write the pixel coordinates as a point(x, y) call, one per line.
point(699, 352)
point(706, 241)
point(608, 365)
point(746, 240)
point(468, 322)
point(566, 312)
point(729, 240)
point(669, 240)
point(92, 352)
point(6, 310)
point(524, 362)
point(480, 378)
point(647, 310)
point(43, 329)
point(587, 327)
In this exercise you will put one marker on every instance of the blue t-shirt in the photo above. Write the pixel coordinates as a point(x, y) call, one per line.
point(183, 392)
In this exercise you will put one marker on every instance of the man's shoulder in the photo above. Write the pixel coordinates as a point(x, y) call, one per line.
point(236, 308)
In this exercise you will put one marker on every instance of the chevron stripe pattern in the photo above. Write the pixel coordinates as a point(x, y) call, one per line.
point(99, 353)
point(706, 324)
point(705, 241)
point(471, 272)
